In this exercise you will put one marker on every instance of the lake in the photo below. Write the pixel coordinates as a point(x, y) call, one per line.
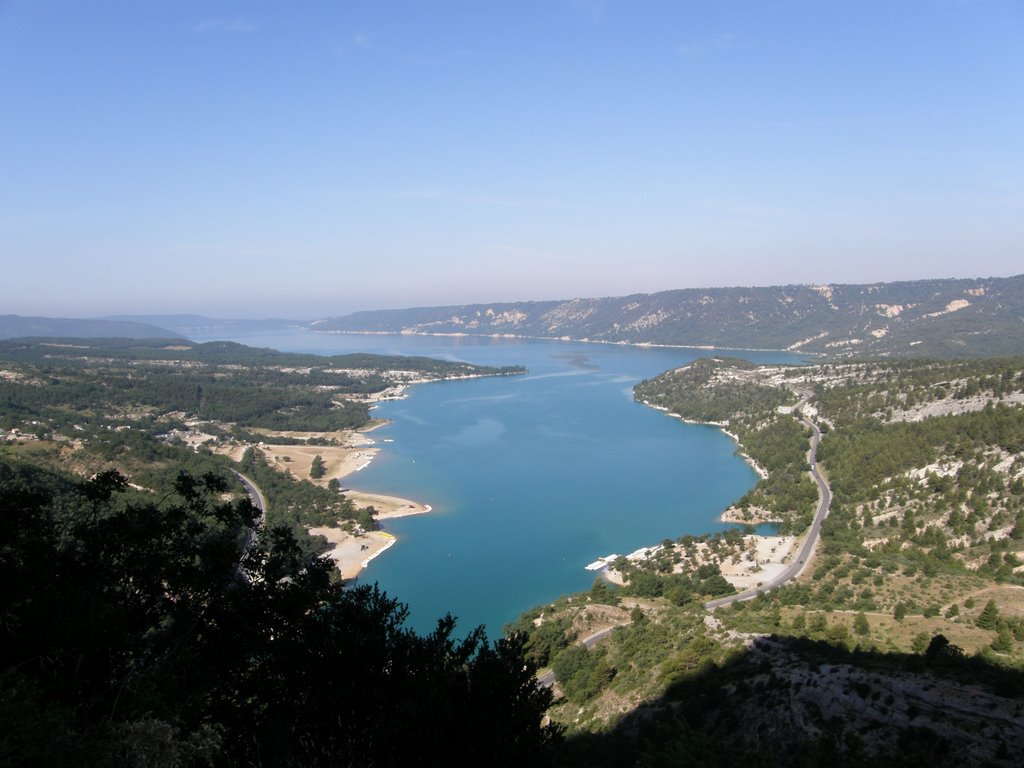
point(531, 477)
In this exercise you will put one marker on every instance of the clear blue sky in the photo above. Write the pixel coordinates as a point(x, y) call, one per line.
point(306, 159)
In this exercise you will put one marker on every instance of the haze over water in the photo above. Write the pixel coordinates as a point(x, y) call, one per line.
point(531, 477)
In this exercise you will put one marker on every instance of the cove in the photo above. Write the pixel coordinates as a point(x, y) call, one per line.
point(531, 477)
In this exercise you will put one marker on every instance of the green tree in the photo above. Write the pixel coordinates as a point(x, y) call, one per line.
point(900, 611)
point(861, 626)
point(365, 518)
point(920, 642)
point(602, 593)
point(128, 626)
point(989, 616)
point(317, 469)
point(1003, 642)
point(838, 633)
point(582, 673)
point(546, 639)
point(698, 656)
point(716, 586)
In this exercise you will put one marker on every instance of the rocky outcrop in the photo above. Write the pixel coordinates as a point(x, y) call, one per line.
point(792, 696)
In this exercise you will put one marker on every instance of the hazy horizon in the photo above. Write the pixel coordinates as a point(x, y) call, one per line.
point(267, 160)
point(214, 315)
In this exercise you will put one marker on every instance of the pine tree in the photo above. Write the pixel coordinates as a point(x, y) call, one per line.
point(989, 616)
point(1003, 642)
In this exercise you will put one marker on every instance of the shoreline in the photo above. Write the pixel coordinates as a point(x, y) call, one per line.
point(724, 427)
point(642, 344)
point(352, 551)
point(350, 452)
point(387, 507)
point(759, 559)
point(406, 507)
point(761, 471)
point(351, 561)
point(742, 576)
point(755, 516)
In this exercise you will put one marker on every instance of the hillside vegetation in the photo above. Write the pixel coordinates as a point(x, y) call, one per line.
point(142, 631)
point(142, 624)
point(151, 616)
point(143, 407)
point(946, 318)
point(904, 642)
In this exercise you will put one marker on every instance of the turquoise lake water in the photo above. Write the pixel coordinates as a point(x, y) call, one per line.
point(531, 477)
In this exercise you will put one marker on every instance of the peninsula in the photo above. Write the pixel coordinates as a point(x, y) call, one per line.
point(298, 425)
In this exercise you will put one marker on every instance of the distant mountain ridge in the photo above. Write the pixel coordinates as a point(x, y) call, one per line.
point(136, 326)
point(945, 318)
point(18, 326)
point(200, 325)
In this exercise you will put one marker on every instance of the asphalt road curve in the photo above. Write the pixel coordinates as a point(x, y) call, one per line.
point(261, 505)
point(803, 556)
point(548, 678)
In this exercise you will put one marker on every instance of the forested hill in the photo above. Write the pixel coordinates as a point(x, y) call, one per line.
point(16, 326)
point(937, 318)
point(81, 384)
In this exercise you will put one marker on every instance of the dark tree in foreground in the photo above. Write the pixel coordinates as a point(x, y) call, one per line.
point(131, 633)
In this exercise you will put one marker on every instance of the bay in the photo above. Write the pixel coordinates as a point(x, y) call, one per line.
point(531, 477)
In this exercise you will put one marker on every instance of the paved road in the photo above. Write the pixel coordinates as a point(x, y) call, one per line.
point(803, 556)
point(548, 678)
point(259, 502)
point(254, 494)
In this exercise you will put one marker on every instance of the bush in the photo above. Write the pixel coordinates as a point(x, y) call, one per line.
point(582, 673)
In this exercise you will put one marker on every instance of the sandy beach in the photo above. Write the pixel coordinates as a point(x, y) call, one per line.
point(350, 552)
point(349, 453)
point(387, 506)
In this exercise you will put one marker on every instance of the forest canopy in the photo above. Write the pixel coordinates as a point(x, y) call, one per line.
point(142, 632)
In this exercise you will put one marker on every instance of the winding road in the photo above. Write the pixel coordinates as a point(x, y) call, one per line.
point(806, 551)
